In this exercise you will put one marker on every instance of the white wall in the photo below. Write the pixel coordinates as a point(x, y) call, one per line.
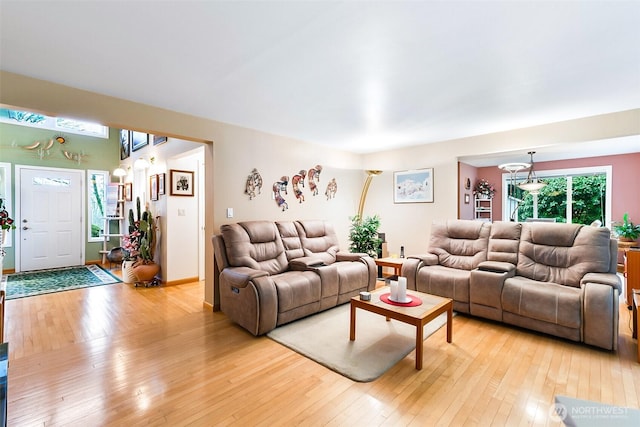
point(181, 227)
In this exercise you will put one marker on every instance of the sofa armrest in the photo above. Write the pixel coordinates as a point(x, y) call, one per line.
point(498, 267)
point(600, 315)
point(426, 259)
point(239, 277)
point(609, 279)
point(306, 263)
point(350, 256)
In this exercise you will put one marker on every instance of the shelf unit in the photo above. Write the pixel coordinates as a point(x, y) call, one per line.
point(483, 209)
point(119, 217)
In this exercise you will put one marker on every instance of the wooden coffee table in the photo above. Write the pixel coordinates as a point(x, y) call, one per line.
point(432, 306)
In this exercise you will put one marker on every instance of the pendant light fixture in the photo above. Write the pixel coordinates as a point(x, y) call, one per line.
point(533, 185)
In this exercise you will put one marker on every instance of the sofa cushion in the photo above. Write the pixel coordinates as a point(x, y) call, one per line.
point(318, 239)
point(444, 281)
point(548, 302)
point(459, 244)
point(254, 244)
point(352, 276)
point(562, 253)
point(297, 288)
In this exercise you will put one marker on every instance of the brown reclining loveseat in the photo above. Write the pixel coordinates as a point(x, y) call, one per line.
point(271, 273)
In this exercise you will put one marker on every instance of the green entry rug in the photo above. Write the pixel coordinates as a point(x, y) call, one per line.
point(29, 283)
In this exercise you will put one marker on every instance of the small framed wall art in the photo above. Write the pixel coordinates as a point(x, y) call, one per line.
point(153, 187)
point(125, 144)
point(181, 183)
point(128, 192)
point(157, 139)
point(139, 140)
point(161, 186)
point(413, 186)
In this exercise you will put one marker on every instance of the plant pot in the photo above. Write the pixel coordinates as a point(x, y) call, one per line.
point(626, 239)
point(146, 272)
point(128, 276)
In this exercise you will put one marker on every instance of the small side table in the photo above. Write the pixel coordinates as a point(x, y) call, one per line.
point(636, 319)
point(395, 263)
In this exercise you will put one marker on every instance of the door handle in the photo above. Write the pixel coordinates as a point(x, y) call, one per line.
point(25, 228)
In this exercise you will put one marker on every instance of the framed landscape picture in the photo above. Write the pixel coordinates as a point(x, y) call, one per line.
point(181, 183)
point(139, 140)
point(157, 140)
point(413, 186)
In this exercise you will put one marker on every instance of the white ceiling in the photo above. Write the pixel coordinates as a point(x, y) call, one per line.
point(362, 76)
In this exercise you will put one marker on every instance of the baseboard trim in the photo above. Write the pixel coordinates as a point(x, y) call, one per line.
point(182, 281)
point(207, 306)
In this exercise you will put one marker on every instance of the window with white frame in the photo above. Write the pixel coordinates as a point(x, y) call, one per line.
point(579, 196)
point(97, 196)
point(59, 124)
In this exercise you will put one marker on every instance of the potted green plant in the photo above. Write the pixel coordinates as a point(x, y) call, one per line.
point(364, 235)
point(6, 224)
point(627, 230)
point(140, 244)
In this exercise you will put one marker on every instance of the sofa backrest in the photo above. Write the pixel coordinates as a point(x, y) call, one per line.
point(563, 253)
point(460, 244)
point(318, 239)
point(504, 240)
point(254, 244)
point(290, 239)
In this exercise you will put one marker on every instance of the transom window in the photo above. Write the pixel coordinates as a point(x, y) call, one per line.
point(59, 124)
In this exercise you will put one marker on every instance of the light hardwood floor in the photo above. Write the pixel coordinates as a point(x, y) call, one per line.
point(119, 355)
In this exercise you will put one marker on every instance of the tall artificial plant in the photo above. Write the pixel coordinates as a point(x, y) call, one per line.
point(363, 235)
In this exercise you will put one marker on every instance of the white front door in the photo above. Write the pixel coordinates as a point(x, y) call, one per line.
point(50, 218)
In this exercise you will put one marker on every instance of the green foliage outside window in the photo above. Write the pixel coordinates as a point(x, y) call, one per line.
point(588, 200)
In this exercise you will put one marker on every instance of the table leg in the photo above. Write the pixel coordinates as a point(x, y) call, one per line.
point(352, 324)
point(419, 345)
point(450, 324)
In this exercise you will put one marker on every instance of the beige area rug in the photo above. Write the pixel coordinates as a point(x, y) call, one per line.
point(324, 338)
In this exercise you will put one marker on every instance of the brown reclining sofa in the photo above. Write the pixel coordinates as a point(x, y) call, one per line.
point(554, 278)
point(271, 273)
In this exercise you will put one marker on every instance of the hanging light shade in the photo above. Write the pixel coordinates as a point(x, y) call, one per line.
point(533, 185)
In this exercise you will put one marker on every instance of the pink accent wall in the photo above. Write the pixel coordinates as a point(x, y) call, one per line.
point(625, 182)
point(465, 171)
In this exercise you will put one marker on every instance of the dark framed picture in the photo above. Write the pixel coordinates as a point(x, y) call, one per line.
point(161, 178)
point(128, 192)
point(153, 187)
point(413, 186)
point(157, 139)
point(125, 144)
point(181, 183)
point(139, 140)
